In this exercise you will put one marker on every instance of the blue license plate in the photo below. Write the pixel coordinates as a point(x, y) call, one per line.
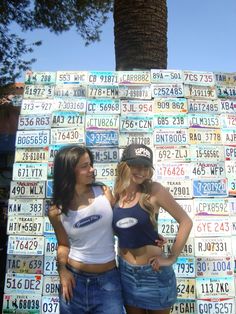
point(102, 138)
point(210, 188)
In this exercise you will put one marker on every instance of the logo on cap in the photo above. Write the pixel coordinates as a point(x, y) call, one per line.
point(143, 152)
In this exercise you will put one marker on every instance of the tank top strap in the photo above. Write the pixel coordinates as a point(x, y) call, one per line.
point(97, 190)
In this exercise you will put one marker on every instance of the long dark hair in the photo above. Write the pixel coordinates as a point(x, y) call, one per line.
point(65, 162)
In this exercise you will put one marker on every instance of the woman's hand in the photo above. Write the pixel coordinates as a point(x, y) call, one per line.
point(158, 261)
point(67, 281)
point(161, 241)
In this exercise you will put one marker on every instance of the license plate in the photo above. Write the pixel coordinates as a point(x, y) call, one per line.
point(207, 170)
point(184, 306)
point(233, 225)
point(53, 150)
point(166, 76)
point(31, 154)
point(179, 188)
point(203, 106)
point(49, 188)
point(207, 152)
point(226, 91)
point(37, 106)
point(28, 207)
point(167, 90)
point(184, 267)
point(166, 105)
point(103, 106)
point(212, 226)
point(67, 135)
point(211, 207)
point(232, 186)
point(25, 245)
point(102, 122)
point(102, 138)
point(210, 188)
point(50, 169)
point(27, 189)
point(172, 170)
point(135, 138)
point(134, 77)
point(42, 78)
point(199, 78)
point(50, 304)
point(187, 206)
point(51, 285)
point(48, 228)
point(103, 91)
point(188, 249)
point(25, 225)
point(71, 104)
point(228, 121)
point(23, 283)
point(50, 265)
point(24, 304)
point(38, 91)
point(136, 123)
point(228, 136)
point(227, 105)
point(230, 152)
point(30, 171)
point(186, 288)
point(216, 246)
point(215, 287)
point(202, 92)
point(72, 77)
point(225, 78)
point(105, 171)
point(171, 120)
point(231, 202)
point(204, 136)
point(216, 305)
point(50, 248)
point(103, 78)
point(29, 122)
point(67, 119)
point(230, 168)
point(32, 138)
point(204, 120)
point(168, 227)
point(139, 107)
point(70, 91)
point(214, 266)
point(170, 136)
point(174, 153)
point(108, 154)
point(135, 91)
point(24, 264)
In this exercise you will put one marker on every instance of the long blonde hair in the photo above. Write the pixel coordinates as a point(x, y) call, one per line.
point(122, 182)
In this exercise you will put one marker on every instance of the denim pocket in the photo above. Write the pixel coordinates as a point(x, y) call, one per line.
point(110, 281)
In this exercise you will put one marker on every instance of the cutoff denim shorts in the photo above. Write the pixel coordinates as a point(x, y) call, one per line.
point(94, 293)
point(147, 289)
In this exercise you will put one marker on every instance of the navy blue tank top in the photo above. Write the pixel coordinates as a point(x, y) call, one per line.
point(133, 227)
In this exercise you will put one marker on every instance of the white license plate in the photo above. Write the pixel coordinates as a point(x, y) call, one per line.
point(214, 266)
point(25, 207)
point(27, 189)
point(103, 106)
point(24, 304)
point(231, 202)
point(136, 123)
point(70, 91)
point(134, 107)
point(102, 122)
point(203, 106)
point(197, 120)
point(225, 78)
point(103, 91)
point(71, 77)
point(49, 188)
point(167, 90)
point(30, 122)
point(38, 138)
point(179, 188)
point(171, 120)
point(107, 154)
point(199, 78)
point(50, 304)
point(230, 168)
point(228, 136)
point(135, 138)
point(170, 136)
point(215, 246)
point(50, 246)
point(230, 152)
point(25, 225)
point(42, 78)
point(184, 306)
point(30, 171)
point(38, 91)
point(23, 283)
point(135, 91)
point(103, 78)
point(71, 104)
point(24, 264)
point(50, 169)
point(67, 135)
point(207, 152)
point(51, 285)
point(174, 153)
point(187, 205)
point(212, 226)
point(232, 186)
point(188, 249)
point(204, 136)
point(184, 267)
point(25, 245)
point(134, 77)
point(37, 106)
point(215, 305)
point(207, 170)
point(228, 121)
point(166, 76)
point(168, 227)
point(186, 288)
point(211, 207)
point(102, 138)
point(226, 91)
point(199, 91)
point(227, 105)
point(48, 228)
point(215, 287)
point(166, 105)
point(105, 171)
point(67, 119)
point(172, 170)
point(31, 154)
point(210, 188)
point(233, 225)
point(50, 265)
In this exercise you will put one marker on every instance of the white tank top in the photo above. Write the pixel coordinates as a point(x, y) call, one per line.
point(90, 231)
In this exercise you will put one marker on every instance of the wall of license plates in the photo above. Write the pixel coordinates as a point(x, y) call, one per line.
point(189, 120)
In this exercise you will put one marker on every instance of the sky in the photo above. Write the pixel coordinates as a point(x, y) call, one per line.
point(201, 37)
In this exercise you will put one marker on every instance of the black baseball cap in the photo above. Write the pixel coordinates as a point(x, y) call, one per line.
point(138, 154)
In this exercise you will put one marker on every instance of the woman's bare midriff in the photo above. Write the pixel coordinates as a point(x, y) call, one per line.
point(141, 255)
point(92, 268)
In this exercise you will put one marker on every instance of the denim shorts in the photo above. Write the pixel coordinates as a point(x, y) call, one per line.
point(94, 293)
point(147, 289)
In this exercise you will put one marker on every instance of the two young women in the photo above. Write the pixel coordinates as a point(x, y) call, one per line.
point(82, 219)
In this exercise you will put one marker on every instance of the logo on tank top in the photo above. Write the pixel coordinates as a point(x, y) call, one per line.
point(87, 221)
point(126, 222)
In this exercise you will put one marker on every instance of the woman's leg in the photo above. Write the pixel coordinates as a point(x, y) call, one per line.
point(134, 310)
point(166, 311)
